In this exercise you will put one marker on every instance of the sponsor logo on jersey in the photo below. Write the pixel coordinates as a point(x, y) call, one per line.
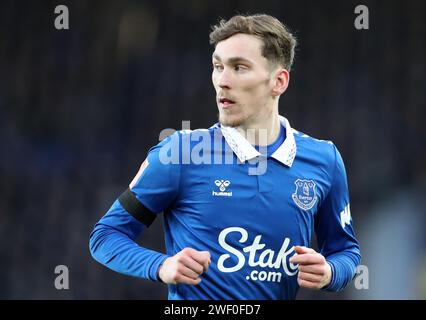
point(267, 265)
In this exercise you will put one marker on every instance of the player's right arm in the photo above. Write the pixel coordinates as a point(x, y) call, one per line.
point(112, 241)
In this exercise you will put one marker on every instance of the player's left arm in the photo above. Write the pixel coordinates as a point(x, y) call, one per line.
point(334, 229)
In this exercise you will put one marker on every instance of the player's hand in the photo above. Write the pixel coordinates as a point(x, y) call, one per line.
point(314, 270)
point(185, 267)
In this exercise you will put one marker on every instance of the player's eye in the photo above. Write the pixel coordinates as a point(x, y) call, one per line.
point(217, 67)
point(239, 67)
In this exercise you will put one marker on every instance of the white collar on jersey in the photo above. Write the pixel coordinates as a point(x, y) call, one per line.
point(245, 151)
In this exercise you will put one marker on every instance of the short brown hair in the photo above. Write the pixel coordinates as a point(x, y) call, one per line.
point(278, 42)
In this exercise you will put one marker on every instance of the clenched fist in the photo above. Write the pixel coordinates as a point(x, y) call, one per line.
point(185, 267)
point(314, 270)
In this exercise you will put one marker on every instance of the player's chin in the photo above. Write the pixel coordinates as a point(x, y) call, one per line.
point(231, 120)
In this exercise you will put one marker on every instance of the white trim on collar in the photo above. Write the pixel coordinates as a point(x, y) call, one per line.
point(245, 151)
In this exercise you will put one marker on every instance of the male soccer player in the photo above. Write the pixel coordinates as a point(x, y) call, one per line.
point(241, 199)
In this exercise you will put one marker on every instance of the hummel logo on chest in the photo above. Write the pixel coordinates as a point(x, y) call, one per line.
point(222, 185)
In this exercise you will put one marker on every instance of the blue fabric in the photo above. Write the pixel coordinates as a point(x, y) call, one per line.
point(275, 145)
point(249, 224)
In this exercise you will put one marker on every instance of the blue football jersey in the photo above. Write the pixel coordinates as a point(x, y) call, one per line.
point(247, 206)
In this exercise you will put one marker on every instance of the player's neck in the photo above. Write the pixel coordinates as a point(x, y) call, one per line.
point(263, 131)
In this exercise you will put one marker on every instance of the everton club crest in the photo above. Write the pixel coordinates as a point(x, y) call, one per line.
point(305, 196)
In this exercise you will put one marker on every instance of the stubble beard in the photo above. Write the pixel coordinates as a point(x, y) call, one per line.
point(232, 120)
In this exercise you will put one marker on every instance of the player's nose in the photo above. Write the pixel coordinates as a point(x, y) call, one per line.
point(224, 79)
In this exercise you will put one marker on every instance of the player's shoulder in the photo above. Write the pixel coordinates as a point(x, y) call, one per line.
point(314, 148)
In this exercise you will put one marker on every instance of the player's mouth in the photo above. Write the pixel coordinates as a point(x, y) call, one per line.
point(226, 103)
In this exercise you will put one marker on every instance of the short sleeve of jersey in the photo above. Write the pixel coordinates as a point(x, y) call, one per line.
point(156, 185)
point(333, 224)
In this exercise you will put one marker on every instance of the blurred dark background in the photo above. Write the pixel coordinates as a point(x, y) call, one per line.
point(79, 109)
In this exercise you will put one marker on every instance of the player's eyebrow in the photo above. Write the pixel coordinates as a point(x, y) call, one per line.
point(232, 60)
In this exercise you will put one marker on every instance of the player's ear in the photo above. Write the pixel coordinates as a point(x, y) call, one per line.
point(281, 78)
